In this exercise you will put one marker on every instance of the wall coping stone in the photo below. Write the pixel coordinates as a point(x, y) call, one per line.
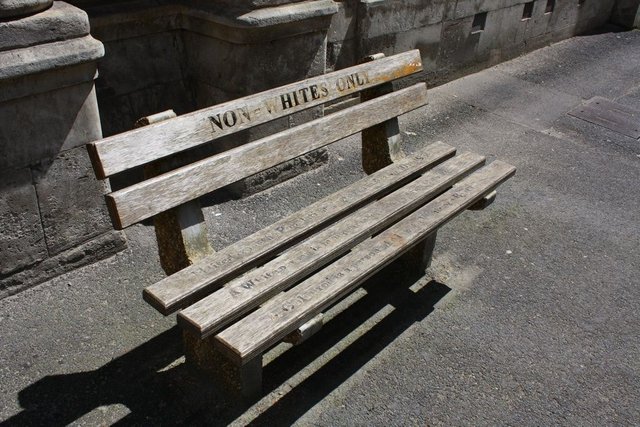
point(18, 8)
point(50, 56)
point(233, 25)
point(60, 22)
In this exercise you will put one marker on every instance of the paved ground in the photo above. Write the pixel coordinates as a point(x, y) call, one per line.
point(529, 316)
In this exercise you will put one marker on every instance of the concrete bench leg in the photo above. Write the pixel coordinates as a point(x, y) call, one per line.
point(418, 258)
point(243, 382)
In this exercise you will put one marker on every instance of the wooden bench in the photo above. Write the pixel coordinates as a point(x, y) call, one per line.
point(240, 301)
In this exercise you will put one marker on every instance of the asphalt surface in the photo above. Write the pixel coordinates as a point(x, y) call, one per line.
point(529, 314)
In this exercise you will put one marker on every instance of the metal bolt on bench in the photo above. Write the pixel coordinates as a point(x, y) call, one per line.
point(238, 302)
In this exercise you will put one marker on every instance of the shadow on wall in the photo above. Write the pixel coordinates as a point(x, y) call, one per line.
point(157, 389)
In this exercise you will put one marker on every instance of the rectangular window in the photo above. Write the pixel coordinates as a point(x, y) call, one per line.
point(479, 21)
point(527, 12)
point(551, 4)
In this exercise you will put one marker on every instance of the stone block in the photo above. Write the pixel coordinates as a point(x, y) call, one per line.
point(626, 13)
point(22, 240)
point(71, 201)
point(466, 8)
point(48, 57)
point(377, 18)
point(426, 39)
point(136, 63)
point(254, 4)
point(118, 113)
point(504, 31)
point(344, 22)
point(539, 22)
point(12, 8)
point(30, 133)
point(61, 20)
point(222, 64)
point(457, 45)
point(89, 252)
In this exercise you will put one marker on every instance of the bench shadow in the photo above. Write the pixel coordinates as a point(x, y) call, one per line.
point(144, 380)
point(157, 389)
point(404, 308)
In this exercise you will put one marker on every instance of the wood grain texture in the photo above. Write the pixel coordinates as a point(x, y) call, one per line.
point(382, 143)
point(285, 312)
point(121, 152)
point(158, 194)
point(246, 292)
point(187, 286)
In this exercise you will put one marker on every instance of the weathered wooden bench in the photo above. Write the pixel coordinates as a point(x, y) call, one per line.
point(238, 302)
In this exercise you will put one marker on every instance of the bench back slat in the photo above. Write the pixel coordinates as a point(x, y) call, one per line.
point(150, 197)
point(124, 151)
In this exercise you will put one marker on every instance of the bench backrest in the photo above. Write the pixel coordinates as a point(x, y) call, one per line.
point(167, 138)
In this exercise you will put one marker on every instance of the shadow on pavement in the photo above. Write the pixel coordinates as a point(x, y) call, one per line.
point(158, 389)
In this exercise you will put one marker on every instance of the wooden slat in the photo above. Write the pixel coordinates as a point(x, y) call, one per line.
point(188, 285)
point(282, 314)
point(126, 150)
point(246, 292)
point(143, 200)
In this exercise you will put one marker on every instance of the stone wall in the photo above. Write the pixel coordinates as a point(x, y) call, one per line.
point(626, 13)
point(457, 36)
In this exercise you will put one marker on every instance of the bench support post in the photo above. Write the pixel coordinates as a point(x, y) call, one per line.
point(381, 144)
point(418, 258)
point(244, 381)
point(181, 232)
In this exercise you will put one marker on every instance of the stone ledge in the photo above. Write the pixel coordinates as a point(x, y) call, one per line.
point(94, 250)
point(13, 8)
point(50, 56)
point(61, 22)
point(232, 25)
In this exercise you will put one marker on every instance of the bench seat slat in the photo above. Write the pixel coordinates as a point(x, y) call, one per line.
point(246, 292)
point(188, 285)
point(123, 151)
point(150, 197)
point(283, 313)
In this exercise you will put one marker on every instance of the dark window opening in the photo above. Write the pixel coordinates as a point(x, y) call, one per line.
point(479, 21)
point(551, 4)
point(581, 2)
point(527, 12)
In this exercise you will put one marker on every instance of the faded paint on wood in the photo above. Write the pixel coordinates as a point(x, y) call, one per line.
point(285, 312)
point(248, 291)
point(187, 286)
point(121, 152)
point(152, 196)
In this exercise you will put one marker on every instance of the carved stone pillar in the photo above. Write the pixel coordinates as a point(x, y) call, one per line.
point(52, 211)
